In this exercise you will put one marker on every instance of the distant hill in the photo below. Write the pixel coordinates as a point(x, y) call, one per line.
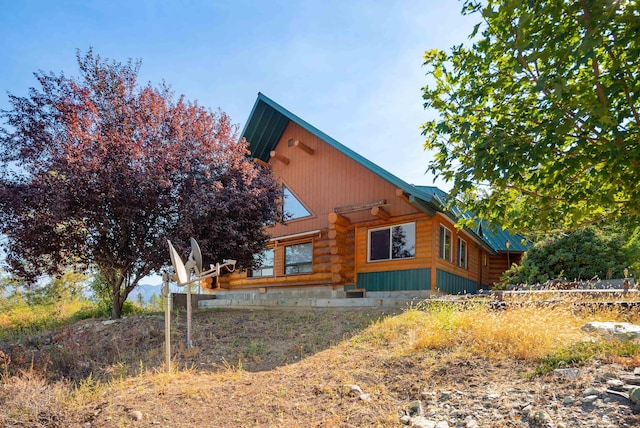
point(148, 290)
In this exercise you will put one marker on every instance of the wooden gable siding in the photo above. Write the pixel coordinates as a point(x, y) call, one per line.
point(328, 179)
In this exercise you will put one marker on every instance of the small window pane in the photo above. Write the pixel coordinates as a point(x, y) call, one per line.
point(298, 258)
point(292, 207)
point(445, 243)
point(379, 244)
point(404, 241)
point(395, 242)
point(462, 253)
point(266, 265)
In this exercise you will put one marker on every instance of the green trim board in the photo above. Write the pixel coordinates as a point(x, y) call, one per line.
point(454, 284)
point(395, 280)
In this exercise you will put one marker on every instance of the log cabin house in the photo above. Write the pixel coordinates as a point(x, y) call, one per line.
point(352, 225)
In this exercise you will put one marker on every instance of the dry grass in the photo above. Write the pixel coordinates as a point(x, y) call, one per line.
point(524, 332)
point(284, 368)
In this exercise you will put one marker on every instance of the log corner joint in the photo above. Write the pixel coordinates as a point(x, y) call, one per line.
point(302, 146)
point(282, 158)
point(381, 213)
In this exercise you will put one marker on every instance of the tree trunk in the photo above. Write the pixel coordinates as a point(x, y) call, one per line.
point(116, 309)
point(117, 302)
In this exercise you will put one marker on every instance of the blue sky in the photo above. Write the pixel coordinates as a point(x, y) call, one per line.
point(351, 68)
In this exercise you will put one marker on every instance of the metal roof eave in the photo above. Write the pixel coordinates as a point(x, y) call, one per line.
point(422, 205)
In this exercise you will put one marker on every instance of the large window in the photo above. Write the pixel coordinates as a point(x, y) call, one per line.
point(298, 258)
point(445, 243)
point(291, 206)
point(395, 242)
point(266, 264)
point(462, 253)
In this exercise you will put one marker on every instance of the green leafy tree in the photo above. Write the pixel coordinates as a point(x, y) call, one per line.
point(582, 254)
point(539, 123)
point(65, 287)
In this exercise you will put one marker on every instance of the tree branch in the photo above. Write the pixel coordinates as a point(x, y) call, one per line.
point(594, 60)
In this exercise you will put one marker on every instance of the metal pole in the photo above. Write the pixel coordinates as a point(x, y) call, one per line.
point(189, 343)
point(167, 321)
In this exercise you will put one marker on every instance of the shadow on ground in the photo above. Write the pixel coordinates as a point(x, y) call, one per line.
point(250, 340)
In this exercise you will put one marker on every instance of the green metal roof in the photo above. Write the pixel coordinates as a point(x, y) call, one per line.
point(494, 236)
point(267, 123)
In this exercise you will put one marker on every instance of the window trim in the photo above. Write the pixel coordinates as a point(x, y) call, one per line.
point(284, 259)
point(441, 245)
point(389, 227)
point(466, 254)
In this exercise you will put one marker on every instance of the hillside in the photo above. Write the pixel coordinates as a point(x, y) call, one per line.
point(319, 368)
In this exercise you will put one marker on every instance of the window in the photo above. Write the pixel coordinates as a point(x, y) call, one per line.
point(298, 258)
point(395, 242)
point(291, 206)
point(462, 253)
point(266, 264)
point(445, 243)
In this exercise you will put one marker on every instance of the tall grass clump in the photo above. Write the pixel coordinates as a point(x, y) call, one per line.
point(525, 332)
point(24, 319)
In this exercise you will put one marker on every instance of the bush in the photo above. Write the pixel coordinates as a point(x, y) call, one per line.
point(579, 255)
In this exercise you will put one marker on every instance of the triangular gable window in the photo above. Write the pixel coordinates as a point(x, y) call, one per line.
point(292, 207)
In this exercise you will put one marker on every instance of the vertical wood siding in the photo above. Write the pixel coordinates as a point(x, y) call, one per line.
point(328, 179)
point(410, 279)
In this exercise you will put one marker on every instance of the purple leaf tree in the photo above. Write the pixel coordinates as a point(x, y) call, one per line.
point(98, 171)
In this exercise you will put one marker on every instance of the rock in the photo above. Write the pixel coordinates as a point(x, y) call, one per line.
point(365, 397)
point(354, 390)
point(541, 417)
point(591, 391)
point(471, 423)
point(109, 322)
point(445, 395)
point(422, 422)
point(636, 371)
point(615, 384)
point(136, 415)
point(405, 420)
point(571, 374)
point(568, 400)
point(442, 424)
point(634, 395)
point(614, 330)
point(493, 396)
point(415, 408)
point(630, 379)
point(589, 399)
point(428, 396)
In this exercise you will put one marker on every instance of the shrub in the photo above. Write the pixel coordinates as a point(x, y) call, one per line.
point(579, 255)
